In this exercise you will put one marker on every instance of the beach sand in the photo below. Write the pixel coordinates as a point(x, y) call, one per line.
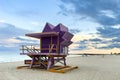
point(90, 68)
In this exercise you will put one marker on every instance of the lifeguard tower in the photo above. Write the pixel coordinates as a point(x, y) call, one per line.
point(53, 48)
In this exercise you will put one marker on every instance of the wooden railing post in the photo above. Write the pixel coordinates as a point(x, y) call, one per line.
point(22, 48)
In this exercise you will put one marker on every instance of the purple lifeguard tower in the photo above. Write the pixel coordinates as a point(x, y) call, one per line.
point(53, 48)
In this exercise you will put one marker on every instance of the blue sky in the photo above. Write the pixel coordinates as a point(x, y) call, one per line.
point(95, 23)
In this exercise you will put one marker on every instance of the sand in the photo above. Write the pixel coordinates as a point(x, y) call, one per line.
point(90, 68)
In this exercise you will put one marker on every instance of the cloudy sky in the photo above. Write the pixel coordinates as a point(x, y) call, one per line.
point(94, 23)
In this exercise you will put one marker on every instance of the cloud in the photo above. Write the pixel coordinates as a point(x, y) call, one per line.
point(22, 8)
point(108, 13)
point(82, 45)
point(104, 12)
point(28, 13)
point(74, 31)
point(112, 34)
point(8, 31)
point(98, 43)
point(106, 38)
point(108, 32)
point(95, 40)
point(94, 43)
point(111, 46)
point(9, 49)
point(26, 40)
point(35, 23)
point(116, 40)
point(2, 21)
point(11, 37)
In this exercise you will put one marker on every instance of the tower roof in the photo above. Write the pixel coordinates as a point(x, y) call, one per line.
point(48, 27)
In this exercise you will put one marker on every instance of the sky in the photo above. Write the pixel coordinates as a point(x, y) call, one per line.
point(94, 23)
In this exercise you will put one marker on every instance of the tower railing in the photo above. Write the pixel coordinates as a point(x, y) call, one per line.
point(34, 48)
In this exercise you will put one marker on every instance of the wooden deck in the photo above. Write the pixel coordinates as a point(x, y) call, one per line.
point(45, 54)
point(55, 69)
point(62, 69)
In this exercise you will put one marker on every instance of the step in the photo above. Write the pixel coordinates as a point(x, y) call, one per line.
point(35, 62)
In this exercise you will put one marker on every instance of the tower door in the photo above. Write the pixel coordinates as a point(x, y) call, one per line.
point(49, 44)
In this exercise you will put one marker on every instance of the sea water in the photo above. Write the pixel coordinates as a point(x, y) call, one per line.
point(13, 57)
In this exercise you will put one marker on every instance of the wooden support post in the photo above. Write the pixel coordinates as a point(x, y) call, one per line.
point(58, 45)
point(32, 62)
point(64, 61)
point(49, 63)
point(22, 48)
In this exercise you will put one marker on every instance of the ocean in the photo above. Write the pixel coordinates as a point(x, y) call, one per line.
point(13, 57)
